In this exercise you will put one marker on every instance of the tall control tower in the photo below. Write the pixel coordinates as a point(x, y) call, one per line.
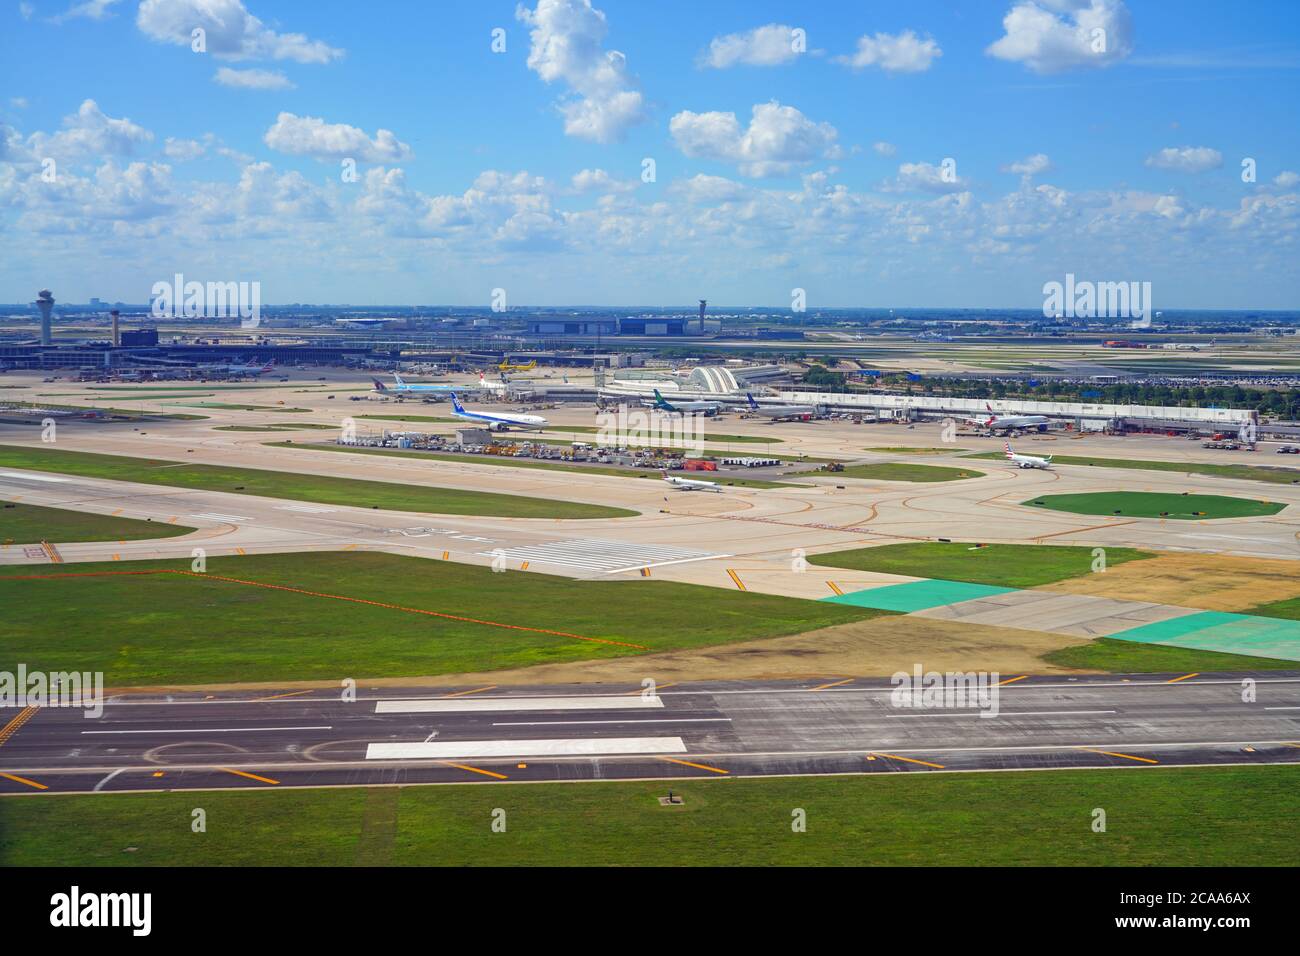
point(45, 302)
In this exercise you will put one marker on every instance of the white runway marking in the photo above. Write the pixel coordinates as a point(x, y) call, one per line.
point(470, 704)
point(460, 749)
point(200, 731)
point(211, 516)
point(630, 720)
point(605, 557)
point(306, 509)
point(15, 474)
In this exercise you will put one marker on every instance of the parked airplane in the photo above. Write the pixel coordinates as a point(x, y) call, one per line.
point(781, 412)
point(417, 388)
point(1009, 423)
point(685, 408)
point(690, 484)
point(526, 367)
point(1026, 461)
point(499, 421)
point(236, 369)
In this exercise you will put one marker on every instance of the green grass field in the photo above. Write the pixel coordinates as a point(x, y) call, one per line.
point(1134, 657)
point(445, 419)
point(31, 524)
point(116, 412)
point(183, 629)
point(508, 461)
point(1146, 504)
point(906, 471)
point(299, 487)
point(242, 408)
point(1269, 473)
point(284, 427)
point(1000, 565)
point(1289, 608)
point(907, 450)
point(1195, 816)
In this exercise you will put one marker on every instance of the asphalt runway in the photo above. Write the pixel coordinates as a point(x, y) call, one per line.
point(197, 741)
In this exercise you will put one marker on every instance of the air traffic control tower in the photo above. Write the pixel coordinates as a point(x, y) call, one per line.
point(45, 302)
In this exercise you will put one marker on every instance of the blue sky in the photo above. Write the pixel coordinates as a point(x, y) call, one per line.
point(783, 159)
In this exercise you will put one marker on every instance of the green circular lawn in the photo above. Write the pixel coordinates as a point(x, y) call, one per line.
point(1145, 504)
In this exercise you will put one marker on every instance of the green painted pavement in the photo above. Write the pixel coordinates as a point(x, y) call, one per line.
point(1225, 632)
point(917, 595)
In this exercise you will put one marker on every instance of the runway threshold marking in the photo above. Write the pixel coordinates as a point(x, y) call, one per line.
point(1184, 677)
point(697, 766)
point(11, 728)
point(1011, 680)
point(250, 776)
point(30, 783)
point(486, 773)
point(835, 587)
point(736, 579)
point(838, 683)
point(476, 690)
point(1111, 753)
point(924, 763)
point(338, 597)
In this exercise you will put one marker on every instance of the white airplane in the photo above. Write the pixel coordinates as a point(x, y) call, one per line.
point(497, 422)
point(690, 484)
point(415, 388)
point(1009, 423)
point(249, 369)
point(781, 412)
point(683, 408)
point(1026, 461)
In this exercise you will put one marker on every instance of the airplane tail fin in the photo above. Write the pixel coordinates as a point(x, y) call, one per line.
point(379, 386)
point(398, 379)
point(1007, 446)
point(750, 398)
point(455, 404)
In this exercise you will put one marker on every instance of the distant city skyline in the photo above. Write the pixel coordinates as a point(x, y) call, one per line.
point(929, 155)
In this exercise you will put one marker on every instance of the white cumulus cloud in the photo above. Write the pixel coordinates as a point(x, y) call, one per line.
point(777, 140)
point(904, 53)
point(231, 32)
point(312, 136)
point(252, 79)
point(568, 45)
point(769, 45)
point(92, 132)
point(1030, 165)
point(1051, 36)
point(1186, 159)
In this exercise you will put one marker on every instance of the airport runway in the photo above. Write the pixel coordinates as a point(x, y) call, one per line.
point(578, 733)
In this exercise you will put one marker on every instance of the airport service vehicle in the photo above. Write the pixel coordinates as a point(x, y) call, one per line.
point(777, 413)
point(1026, 461)
point(499, 421)
point(690, 484)
point(685, 408)
point(1289, 450)
point(1009, 423)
